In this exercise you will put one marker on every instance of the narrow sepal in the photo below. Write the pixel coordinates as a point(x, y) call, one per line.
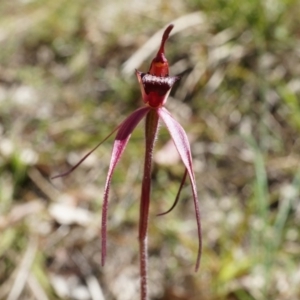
point(119, 146)
point(182, 144)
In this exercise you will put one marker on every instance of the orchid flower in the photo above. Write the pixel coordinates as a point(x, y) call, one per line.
point(155, 87)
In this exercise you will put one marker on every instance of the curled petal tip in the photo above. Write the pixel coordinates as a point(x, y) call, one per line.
point(165, 37)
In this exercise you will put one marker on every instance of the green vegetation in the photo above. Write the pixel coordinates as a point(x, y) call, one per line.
point(66, 81)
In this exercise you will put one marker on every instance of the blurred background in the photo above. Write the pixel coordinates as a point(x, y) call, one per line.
point(67, 79)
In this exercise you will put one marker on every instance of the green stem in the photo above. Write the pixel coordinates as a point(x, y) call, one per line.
point(151, 129)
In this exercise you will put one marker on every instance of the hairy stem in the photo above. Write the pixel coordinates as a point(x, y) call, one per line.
point(151, 129)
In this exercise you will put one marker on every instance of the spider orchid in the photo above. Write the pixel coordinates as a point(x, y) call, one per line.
point(155, 87)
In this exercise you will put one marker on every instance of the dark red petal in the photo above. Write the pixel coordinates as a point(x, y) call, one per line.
point(156, 84)
point(119, 146)
point(183, 147)
point(155, 90)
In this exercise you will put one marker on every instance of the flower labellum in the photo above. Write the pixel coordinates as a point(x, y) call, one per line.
point(155, 87)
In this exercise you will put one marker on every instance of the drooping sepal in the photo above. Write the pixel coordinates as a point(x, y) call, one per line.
point(182, 145)
point(121, 140)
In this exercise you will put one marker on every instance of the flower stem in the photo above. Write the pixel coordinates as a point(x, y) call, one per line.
point(151, 128)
